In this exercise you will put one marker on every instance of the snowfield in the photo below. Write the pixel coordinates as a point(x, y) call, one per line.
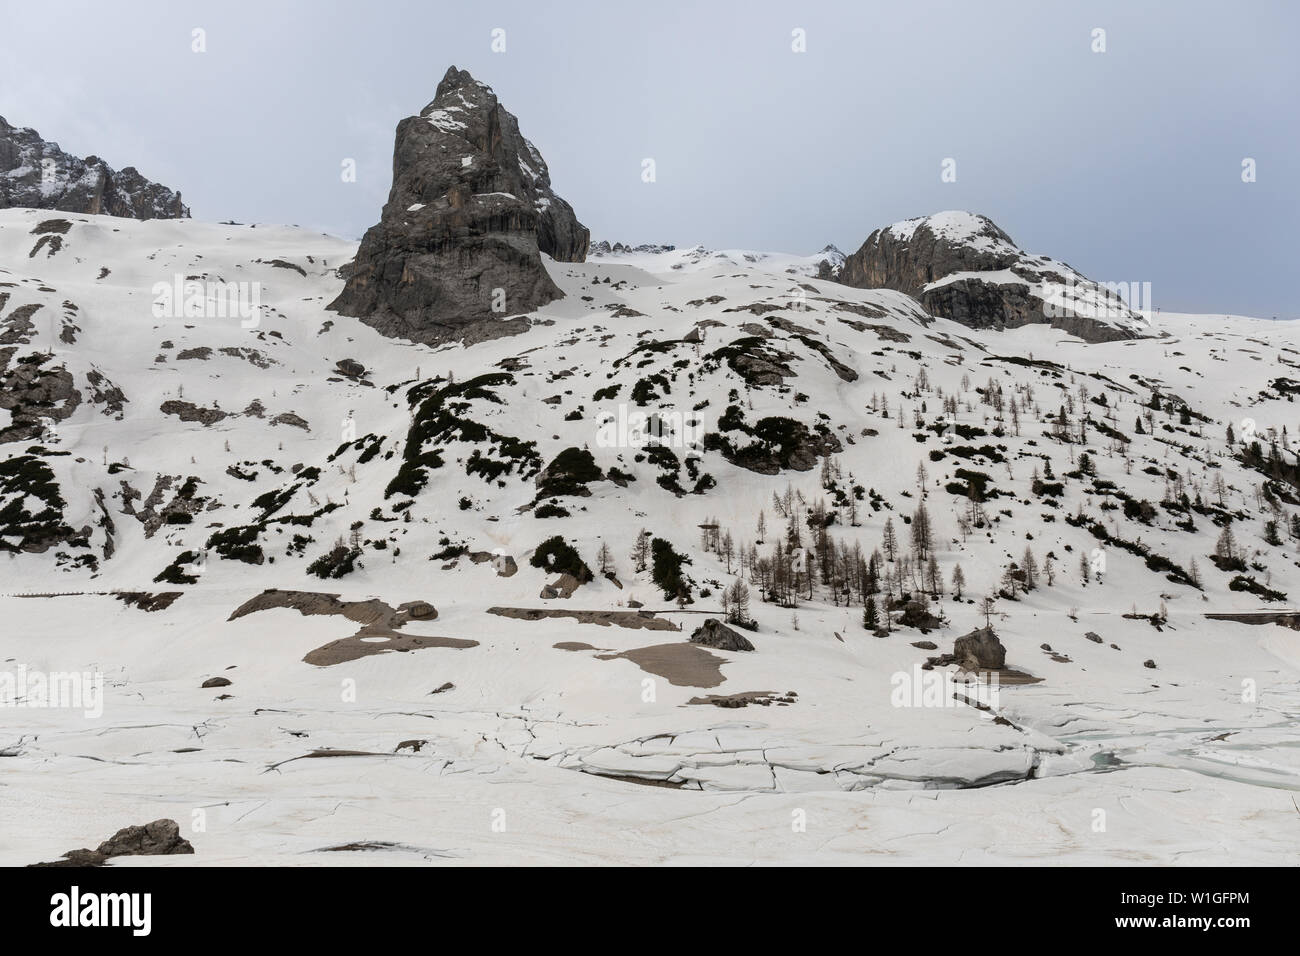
point(259, 444)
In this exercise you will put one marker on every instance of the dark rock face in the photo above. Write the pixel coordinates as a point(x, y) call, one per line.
point(980, 650)
point(963, 267)
point(34, 395)
point(457, 248)
point(38, 174)
point(159, 838)
point(715, 634)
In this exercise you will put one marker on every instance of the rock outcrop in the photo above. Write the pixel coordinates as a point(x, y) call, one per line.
point(961, 266)
point(980, 650)
point(159, 838)
point(38, 174)
point(458, 247)
point(715, 634)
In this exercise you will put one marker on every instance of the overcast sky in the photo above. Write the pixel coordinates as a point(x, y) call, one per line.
point(1126, 164)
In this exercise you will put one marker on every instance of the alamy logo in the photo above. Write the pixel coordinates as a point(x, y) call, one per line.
point(631, 428)
point(932, 688)
point(1096, 300)
point(190, 299)
point(67, 690)
point(73, 909)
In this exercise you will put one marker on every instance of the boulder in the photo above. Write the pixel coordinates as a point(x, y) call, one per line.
point(159, 838)
point(561, 587)
point(713, 633)
point(419, 610)
point(350, 368)
point(980, 650)
point(458, 248)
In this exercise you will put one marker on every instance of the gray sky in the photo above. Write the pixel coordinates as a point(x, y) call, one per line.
point(1125, 164)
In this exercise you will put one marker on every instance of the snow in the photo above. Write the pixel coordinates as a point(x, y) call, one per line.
point(697, 258)
point(1185, 768)
point(445, 121)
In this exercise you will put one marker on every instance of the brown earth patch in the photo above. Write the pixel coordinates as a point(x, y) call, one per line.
point(355, 647)
point(630, 619)
point(682, 665)
point(379, 622)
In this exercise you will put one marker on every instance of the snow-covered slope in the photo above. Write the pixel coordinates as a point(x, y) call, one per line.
point(218, 457)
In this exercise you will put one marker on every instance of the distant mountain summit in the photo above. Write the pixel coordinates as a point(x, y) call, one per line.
point(38, 174)
point(961, 266)
point(458, 247)
point(604, 248)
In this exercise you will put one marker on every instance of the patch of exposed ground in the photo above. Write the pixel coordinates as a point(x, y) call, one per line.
point(682, 665)
point(1289, 619)
point(630, 619)
point(351, 648)
point(379, 620)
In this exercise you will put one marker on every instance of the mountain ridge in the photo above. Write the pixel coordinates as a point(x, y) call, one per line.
point(35, 173)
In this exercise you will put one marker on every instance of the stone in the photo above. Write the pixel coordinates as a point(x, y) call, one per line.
point(215, 682)
point(980, 650)
point(419, 610)
point(350, 368)
point(159, 838)
point(715, 634)
point(561, 587)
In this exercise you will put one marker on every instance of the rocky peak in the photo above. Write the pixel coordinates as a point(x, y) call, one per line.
point(832, 261)
point(466, 107)
point(457, 248)
point(961, 266)
point(38, 174)
point(604, 248)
